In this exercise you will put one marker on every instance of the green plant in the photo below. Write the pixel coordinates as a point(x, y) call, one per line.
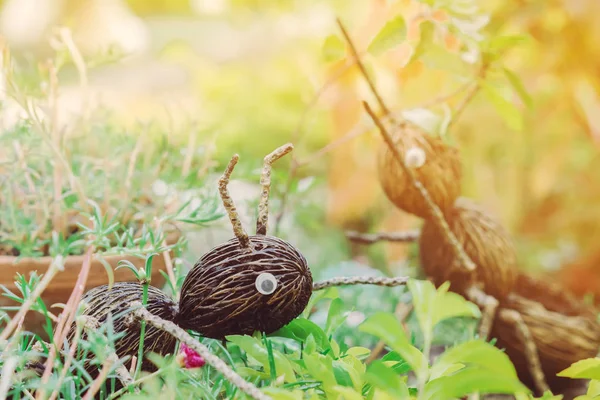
point(67, 185)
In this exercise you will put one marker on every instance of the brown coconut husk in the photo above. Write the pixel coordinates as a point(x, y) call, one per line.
point(484, 240)
point(564, 329)
point(441, 174)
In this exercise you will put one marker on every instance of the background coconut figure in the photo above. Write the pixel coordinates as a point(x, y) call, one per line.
point(543, 329)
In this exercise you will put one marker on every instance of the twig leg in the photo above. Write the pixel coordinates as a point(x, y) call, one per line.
point(531, 352)
point(360, 280)
point(265, 181)
point(238, 229)
point(370, 238)
point(489, 305)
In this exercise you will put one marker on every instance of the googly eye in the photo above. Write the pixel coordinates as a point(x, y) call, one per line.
point(266, 283)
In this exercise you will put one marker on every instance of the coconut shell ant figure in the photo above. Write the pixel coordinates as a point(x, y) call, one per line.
point(247, 284)
point(543, 329)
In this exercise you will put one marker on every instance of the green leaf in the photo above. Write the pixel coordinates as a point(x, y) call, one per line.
point(355, 368)
point(473, 353)
point(507, 110)
point(358, 352)
point(347, 393)
point(283, 394)
point(333, 48)
point(320, 367)
point(427, 30)
point(471, 380)
point(391, 35)
point(254, 349)
point(518, 86)
point(300, 329)
point(336, 316)
point(386, 327)
point(386, 379)
point(593, 388)
point(432, 306)
point(331, 293)
point(342, 376)
point(583, 369)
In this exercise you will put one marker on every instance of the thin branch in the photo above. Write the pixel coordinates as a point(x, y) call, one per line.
point(466, 262)
point(531, 352)
point(370, 238)
point(265, 182)
point(362, 68)
point(361, 280)
point(234, 217)
point(201, 349)
point(66, 319)
point(488, 305)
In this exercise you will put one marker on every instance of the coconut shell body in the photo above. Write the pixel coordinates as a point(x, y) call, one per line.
point(440, 174)
point(564, 329)
point(219, 297)
point(484, 240)
point(100, 302)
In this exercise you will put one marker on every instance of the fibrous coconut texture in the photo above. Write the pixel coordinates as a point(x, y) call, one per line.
point(435, 164)
point(484, 240)
point(100, 302)
point(219, 297)
point(564, 329)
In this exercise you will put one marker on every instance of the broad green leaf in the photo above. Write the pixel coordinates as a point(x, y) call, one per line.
point(452, 305)
point(473, 353)
point(518, 86)
point(300, 329)
point(507, 110)
point(336, 316)
point(342, 375)
point(354, 367)
point(320, 367)
point(335, 349)
point(432, 306)
point(331, 293)
point(385, 378)
point(391, 35)
point(381, 395)
point(594, 388)
point(471, 380)
point(386, 327)
point(427, 30)
point(255, 349)
point(310, 346)
point(333, 48)
point(358, 352)
point(584, 369)
point(252, 373)
point(347, 393)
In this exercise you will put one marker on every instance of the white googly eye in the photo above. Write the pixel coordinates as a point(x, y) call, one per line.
point(266, 283)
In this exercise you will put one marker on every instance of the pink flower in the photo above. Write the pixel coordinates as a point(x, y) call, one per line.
point(188, 358)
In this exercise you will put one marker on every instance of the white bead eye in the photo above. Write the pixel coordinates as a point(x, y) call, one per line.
point(266, 283)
